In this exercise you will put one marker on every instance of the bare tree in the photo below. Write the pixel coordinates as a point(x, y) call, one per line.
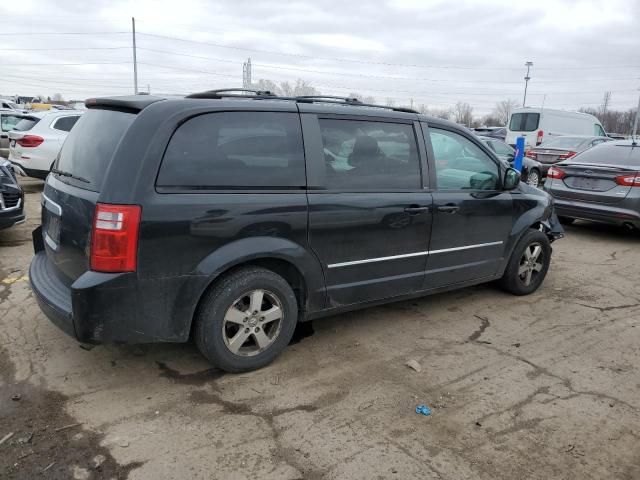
point(503, 109)
point(57, 97)
point(301, 87)
point(364, 99)
point(463, 113)
point(266, 86)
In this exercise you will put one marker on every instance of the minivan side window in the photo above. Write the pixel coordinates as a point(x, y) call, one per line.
point(461, 164)
point(369, 155)
point(235, 150)
point(598, 131)
point(524, 122)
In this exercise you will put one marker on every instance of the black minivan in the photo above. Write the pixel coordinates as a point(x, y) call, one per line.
point(229, 217)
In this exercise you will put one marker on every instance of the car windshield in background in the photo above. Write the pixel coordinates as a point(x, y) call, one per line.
point(26, 123)
point(524, 122)
point(89, 147)
point(607, 154)
point(563, 142)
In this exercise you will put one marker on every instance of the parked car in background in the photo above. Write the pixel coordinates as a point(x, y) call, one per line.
point(37, 139)
point(562, 148)
point(285, 231)
point(539, 125)
point(8, 105)
point(531, 169)
point(8, 120)
point(11, 197)
point(494, 132)
point(616, 136)
point(601, 184)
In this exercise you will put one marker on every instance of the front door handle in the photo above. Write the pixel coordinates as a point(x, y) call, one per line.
point(4, 136)
point(448, 208)
point(416, 209)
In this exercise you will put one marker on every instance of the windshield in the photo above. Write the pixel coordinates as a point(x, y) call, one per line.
point(89, 147)
point(564, 142)
point(524, 122)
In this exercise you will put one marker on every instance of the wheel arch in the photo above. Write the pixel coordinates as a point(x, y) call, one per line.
point(298, 266)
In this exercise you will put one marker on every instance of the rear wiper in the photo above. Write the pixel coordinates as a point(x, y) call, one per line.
point(70, 175)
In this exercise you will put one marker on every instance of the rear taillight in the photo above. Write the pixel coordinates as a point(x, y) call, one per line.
point(555, 172)
point(539, 137)
point(114, 240)
point(532, 155)
point(564, 156)
point(629, 180)
point(30, 141)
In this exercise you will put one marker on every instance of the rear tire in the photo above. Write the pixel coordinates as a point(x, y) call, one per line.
point(528, 264)
point(566, 220)
point(533, 178)
point(246, 320)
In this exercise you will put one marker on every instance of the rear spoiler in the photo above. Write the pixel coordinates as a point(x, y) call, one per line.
point(132, 103)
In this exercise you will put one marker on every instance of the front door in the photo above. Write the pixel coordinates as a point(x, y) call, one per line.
point(472, 215)
point(369, 217)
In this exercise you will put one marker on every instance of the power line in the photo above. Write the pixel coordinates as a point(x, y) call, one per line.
point(361, 75)
point(60, 64)
point(59, 33)
point(59, 49)
point(368, 62)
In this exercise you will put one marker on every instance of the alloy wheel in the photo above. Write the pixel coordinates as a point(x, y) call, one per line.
point(531, 263)
point(252, 323)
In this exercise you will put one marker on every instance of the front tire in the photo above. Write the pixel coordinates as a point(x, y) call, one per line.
point(246, 320)
point(528, 264)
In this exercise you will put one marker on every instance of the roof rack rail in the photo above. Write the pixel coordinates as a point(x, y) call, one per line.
point(228, 92)
point(347, 101)
point(320, 98)
point(267, 95)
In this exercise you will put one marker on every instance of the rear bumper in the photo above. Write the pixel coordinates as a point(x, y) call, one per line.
point(597, 212)
point(112, 307)
point(29, 172)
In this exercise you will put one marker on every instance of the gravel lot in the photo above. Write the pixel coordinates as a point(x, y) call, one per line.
point(540, 387)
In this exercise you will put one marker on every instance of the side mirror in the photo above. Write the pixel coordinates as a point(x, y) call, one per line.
point(511, 179)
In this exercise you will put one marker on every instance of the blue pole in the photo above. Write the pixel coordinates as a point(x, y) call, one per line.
point(517, 160)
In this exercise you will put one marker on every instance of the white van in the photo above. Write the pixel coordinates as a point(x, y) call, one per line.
point(538, 125)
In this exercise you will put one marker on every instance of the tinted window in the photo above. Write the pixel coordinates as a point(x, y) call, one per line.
point(8, 122)
point(236, 149)
point(370, 155)
point(65, 123)
point(461, 164)
point(27, 123)
point(89, 147)
point(623, 155)
point(524, 122)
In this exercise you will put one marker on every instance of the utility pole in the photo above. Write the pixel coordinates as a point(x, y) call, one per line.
point(135, 61)
point(526, 83)
point(246, 74)
point(605, 103)
point(634, 132)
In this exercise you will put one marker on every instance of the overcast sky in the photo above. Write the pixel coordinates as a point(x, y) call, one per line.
point(434, 52)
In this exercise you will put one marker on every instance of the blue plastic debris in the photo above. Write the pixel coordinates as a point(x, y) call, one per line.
point(422, 409)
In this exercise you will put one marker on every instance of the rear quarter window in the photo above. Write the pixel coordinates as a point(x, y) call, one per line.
point(235, 150)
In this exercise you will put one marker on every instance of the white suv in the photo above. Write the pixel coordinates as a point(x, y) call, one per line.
point(37, 139)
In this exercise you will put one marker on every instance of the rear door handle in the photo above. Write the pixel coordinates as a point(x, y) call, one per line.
point(448, 208)
point(416, 209)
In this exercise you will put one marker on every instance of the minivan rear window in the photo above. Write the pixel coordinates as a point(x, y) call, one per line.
point(90, 145)
point(27, 123)
point(235, 150)
point(524, 122)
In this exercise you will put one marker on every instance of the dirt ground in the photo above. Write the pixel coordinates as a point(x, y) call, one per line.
point(540, 387)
